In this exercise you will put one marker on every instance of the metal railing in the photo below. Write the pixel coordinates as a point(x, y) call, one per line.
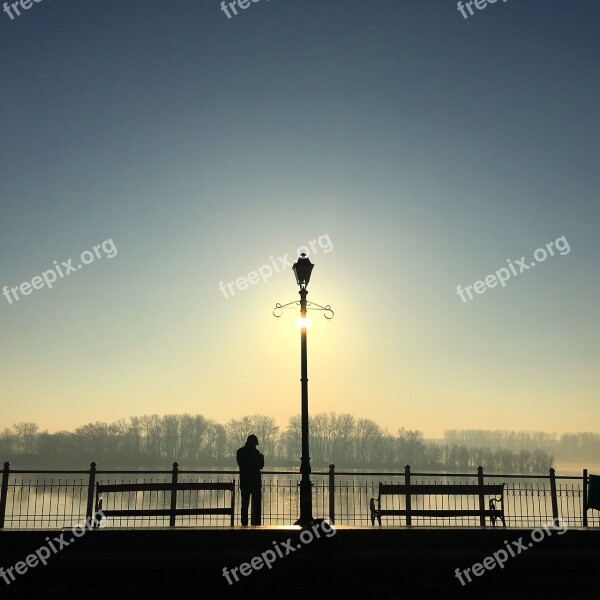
point(56, 499)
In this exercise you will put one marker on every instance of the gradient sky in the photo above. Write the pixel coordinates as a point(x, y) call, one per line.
point(428, 147)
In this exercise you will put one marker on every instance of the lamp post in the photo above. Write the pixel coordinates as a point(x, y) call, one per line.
point(302, 270)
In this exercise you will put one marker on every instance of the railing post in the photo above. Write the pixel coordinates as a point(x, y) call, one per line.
point(332, 493)
point(4, 493)
point(90, 497)
point(553, 495)
point(232, 502)
point(174, 493)
point(585, 498)
point(408, 500)
point(481, 496)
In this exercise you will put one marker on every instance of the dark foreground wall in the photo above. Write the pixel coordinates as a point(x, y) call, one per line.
point(353, 563)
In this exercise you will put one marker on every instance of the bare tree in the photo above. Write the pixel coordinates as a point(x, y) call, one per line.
point(26, 437)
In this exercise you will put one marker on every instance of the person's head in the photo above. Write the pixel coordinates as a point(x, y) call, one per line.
point(252, 440)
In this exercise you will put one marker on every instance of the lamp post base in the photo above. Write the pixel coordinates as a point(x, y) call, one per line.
point(306, 517)
point(311, 523)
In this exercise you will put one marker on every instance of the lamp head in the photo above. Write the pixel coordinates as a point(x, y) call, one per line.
point(302, 270)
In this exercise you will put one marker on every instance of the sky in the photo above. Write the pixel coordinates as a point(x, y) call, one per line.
point(418, 151)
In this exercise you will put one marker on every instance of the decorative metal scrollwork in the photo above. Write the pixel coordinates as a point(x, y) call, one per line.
point(280, 307)
point(327, 310)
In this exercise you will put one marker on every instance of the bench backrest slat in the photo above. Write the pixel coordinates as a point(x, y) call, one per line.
point(152, 487)
point(440, 512)
point(441, 489)
point(164, 512)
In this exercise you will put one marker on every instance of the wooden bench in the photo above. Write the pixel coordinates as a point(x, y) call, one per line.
point(171, 512)
point(408, 491)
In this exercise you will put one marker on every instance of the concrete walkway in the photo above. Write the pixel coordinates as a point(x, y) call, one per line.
point(352, 563)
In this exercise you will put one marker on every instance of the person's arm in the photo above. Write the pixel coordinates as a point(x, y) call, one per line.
point(261, 460)
point(237, 458)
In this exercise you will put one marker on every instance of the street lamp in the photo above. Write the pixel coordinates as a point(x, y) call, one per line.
point(302, 270)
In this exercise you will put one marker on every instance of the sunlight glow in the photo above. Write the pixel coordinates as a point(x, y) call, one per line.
point(300, 322)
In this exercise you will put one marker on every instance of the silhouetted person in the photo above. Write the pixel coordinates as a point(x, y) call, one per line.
point(250, 461)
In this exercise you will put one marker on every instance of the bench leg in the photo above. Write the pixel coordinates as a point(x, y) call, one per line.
point(375, 511)
point(97, 516)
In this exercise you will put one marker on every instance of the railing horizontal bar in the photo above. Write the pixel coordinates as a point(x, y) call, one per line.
point(47, 471)
point(317, 473)
point(473, 475)
point(135, 472)
point(188, 472)
point(235, 472)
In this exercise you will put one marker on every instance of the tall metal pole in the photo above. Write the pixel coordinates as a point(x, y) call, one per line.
point(305, 484)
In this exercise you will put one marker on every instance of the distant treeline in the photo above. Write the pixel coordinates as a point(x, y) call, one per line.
point(569, 446)
point(342, 439)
